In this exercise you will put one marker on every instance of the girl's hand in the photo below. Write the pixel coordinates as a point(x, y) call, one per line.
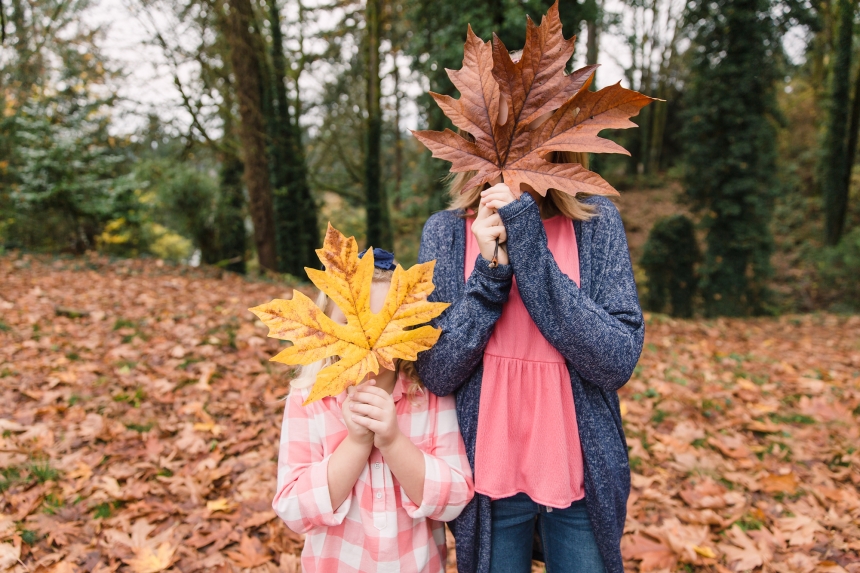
point(357, 432)
point(487, 227)
point(497, 196)
point(373, 408)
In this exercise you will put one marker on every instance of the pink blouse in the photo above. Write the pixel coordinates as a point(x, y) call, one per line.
point(528, 439)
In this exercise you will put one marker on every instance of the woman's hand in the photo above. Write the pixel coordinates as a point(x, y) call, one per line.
point(487, 228)
point(497, 196)
point(358, 433)
point(373, 408)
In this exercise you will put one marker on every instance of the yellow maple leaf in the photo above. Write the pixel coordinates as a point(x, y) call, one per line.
point(368, 339)
point(221, 504)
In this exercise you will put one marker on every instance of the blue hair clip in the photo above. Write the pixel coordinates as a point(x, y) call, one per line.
point(382, 259)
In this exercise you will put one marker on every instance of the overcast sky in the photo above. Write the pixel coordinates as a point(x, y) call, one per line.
point(148, 84)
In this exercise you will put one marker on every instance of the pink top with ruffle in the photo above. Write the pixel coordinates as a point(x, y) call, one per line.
point(528, 439)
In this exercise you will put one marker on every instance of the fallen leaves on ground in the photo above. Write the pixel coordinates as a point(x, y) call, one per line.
point(139, 432)
point(743, 444)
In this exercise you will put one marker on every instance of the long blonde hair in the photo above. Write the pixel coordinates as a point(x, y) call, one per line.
point(307, 375)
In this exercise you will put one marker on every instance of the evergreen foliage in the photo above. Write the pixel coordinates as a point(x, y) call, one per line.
point(839, 266)
point(729, 138)
point(669, 259)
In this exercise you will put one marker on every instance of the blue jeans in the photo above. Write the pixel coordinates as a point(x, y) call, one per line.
point(565, 534)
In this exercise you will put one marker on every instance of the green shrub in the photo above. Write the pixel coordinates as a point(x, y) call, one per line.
point(669, 260)
point(840, 268)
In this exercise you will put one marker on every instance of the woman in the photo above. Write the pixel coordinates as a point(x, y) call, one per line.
point(534, 350)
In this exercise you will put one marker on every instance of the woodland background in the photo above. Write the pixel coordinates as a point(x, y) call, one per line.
point(139, 415)
point(742, 179)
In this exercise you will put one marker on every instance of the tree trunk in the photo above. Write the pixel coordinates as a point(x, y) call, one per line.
point(834, 189)
point(591, 42)
point(229, 222)
point(296, 228)
point(378, 219)
point(853, 126)
point(398, 140)
point(244, 57)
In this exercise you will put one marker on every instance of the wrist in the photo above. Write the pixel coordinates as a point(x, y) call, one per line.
point(392, 443)
point(361, 442)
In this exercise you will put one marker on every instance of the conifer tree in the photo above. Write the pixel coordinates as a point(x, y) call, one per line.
point(729, 140)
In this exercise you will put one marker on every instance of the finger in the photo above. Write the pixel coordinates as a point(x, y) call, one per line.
point(361, 421)
point(497, 204)
point(371, 398)
point(493, 220)
point(495, 233)
point(503, 235)
point(498, 187)
point(367, 410)
point(483, 212)
point(502, 193)
point(372, 425)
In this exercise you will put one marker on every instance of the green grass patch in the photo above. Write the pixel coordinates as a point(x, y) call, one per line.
point(42, 472)
point(749, 522)
point(29, 537)
point(793, 418)
point(9, 476)
point(102, 511)
point(123, 323)
point(4, 327)
point(52, 503)
point(135, 399)
point(658, 416)
point(141, 428)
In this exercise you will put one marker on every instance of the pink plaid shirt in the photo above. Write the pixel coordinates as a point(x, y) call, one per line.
point(378, 528)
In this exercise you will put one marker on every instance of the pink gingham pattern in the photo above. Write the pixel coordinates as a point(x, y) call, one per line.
point(378, 528)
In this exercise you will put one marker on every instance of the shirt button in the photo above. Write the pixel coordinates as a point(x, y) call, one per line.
point(376, 465)
point(378, 495)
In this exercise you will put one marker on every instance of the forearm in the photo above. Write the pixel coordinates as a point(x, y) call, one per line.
point(407, 464)
point(344, 467)
point(466, 328)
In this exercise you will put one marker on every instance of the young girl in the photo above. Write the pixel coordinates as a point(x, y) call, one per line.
point(370, 475)
point(535, 350)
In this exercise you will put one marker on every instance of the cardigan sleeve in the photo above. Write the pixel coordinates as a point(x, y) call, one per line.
point(468, 323)
point(600, 335)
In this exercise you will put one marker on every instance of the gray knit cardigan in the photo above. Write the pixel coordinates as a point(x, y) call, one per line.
point(597, 327)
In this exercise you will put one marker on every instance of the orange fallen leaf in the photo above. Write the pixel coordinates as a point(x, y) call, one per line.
point(652, 554)
point(774, 483)
point(251, 553)
point(152, 560)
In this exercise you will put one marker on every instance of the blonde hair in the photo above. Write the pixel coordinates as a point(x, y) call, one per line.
point(307, 375)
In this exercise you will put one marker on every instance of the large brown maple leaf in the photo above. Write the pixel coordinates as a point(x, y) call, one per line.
point(530, 88)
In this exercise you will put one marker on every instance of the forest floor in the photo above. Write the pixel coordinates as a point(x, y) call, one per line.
point(140, 421)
